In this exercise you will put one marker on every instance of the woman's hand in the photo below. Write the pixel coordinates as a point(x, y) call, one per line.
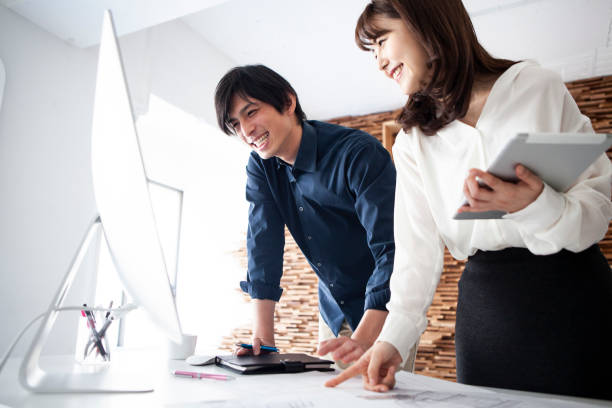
point(377, 366)
point(343, 349)
point(498, 194)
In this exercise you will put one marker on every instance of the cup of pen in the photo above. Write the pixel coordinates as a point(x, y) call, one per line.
point(92, 342)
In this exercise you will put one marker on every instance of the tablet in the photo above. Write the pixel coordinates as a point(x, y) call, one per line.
point(557, 158)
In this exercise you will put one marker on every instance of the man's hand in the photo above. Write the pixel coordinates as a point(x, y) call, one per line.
point(263, 327)
point(256, 342)
point(500, 195)
point(342, 348)
point(377, 366)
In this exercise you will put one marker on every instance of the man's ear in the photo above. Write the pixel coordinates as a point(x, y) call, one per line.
point(290, 109)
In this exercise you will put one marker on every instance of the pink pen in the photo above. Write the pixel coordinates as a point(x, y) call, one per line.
point(192, 374)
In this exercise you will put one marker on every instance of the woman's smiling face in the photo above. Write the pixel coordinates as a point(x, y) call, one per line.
point(400, 55)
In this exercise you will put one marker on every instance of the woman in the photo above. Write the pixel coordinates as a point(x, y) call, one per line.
point(534, 307)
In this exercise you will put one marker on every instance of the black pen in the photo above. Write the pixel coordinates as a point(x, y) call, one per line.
point(107, 323)
point(110, 306)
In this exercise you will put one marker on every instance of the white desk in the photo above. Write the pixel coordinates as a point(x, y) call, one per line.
point(272, 391)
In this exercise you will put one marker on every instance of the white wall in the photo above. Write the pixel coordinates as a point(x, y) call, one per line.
point(177, 64)
point(186, 75)
point(47, 199)
point(572, 37)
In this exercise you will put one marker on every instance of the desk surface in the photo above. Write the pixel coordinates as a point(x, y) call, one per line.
point(271, 391)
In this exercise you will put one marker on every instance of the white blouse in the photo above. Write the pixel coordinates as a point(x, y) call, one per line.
point(430, 174)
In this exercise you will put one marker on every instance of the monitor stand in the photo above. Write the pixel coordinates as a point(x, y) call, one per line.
point(33, 378)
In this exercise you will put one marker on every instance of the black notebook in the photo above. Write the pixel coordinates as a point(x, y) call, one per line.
point(271, 363)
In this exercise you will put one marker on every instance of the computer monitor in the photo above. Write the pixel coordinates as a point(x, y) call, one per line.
point(2, 80)
point(127, 222)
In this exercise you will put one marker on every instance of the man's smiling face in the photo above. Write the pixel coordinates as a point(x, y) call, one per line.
point(261, 126)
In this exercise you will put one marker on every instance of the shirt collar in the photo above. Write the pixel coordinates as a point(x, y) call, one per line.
point(500, 92)
point(306, 159)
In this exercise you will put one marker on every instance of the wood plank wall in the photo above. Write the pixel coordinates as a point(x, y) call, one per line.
point(297, 313)
point(296, 320)
point(594, 98)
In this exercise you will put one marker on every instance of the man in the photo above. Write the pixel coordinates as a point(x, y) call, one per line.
point(334, 188)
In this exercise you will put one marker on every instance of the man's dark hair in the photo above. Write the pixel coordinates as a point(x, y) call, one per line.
point(253, 81)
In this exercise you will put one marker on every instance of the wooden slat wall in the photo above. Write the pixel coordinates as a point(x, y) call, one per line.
point(297, 312)
point(594, 98)
point(296, 320)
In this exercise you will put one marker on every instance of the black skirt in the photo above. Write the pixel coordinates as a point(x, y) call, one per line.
point(536, 323)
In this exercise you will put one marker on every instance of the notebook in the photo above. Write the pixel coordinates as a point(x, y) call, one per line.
point(273, 363)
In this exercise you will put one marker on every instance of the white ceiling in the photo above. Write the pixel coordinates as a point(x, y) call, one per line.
point(79, 22)
point(311, 42)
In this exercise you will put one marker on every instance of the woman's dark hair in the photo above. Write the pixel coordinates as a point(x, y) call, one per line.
point(253, 81)
point(444, 29)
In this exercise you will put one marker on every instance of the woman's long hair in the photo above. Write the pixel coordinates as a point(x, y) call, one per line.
point(445, 31)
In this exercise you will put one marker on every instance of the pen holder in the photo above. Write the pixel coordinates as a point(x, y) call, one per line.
point(92, 346)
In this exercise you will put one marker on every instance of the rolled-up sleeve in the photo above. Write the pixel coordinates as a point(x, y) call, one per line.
point(371, 178)
point(265, 238)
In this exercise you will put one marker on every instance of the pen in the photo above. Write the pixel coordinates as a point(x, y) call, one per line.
point(110, 306)
point(105, 326)
point(250, 346)
point(193, 374)
point(108, 319)
point(94, 333)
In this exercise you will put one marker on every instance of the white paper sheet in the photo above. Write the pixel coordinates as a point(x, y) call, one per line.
point(306, 390)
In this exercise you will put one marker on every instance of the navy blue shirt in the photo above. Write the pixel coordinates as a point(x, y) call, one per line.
point(337, 202)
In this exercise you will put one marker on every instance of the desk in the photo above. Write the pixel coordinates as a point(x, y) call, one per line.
point(271, 391)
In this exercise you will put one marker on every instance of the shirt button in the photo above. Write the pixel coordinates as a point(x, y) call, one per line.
point(331, 285)
point(309, 237)
point(301, 208)
point(318, 263)
point(342, 302)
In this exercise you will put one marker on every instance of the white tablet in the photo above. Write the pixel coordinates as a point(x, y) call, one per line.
point(557, 158)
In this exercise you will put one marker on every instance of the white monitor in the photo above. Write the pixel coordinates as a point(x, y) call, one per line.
point(127, 221)
point(122, 193)
point(2, 80)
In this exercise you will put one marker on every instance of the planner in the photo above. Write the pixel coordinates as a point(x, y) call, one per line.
point(274, 363)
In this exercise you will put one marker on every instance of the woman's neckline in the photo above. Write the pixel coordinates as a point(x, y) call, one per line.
point(482, 92)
